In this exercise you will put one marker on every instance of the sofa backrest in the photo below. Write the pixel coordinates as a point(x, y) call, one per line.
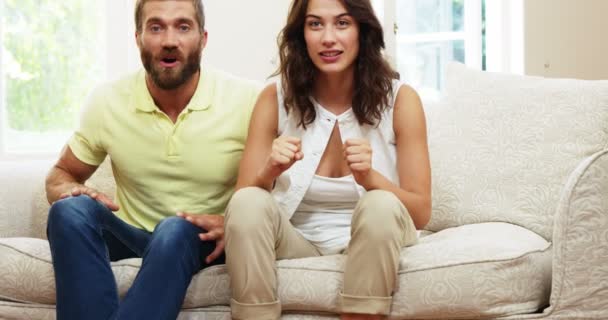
point(502, 146)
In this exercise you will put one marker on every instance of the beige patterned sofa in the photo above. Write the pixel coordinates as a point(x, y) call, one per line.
point(519, 227)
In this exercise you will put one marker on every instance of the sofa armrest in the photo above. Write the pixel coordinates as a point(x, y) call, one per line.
point(23, 202)
point(580, 239)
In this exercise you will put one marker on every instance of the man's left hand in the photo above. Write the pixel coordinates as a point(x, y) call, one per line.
point(214, 224)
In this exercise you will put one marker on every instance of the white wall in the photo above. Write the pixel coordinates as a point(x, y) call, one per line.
point(242, 35)
point(566, 38)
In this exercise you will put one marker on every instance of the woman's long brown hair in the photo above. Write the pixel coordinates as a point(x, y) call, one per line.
point(373, 74)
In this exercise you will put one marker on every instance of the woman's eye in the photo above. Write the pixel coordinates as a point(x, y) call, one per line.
point(314, 24)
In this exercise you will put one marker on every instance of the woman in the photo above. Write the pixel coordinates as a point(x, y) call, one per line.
point(336, 161)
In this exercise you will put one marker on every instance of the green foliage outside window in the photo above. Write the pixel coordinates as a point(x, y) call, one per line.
point(51, 57)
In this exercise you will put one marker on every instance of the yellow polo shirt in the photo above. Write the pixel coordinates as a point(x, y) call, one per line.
point(161, 167)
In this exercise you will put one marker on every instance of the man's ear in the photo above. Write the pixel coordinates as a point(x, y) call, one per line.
point(204, 39)
point(137, 38)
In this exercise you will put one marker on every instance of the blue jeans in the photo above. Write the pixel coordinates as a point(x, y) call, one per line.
point(85, 236)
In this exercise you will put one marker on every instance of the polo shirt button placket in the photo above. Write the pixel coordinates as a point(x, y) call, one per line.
point(171, 147)
point(172, 141)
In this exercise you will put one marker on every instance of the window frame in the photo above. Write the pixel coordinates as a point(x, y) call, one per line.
point(505, 36)
point(3, 116)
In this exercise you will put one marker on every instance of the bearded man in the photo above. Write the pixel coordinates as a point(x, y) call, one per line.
point(174, 133)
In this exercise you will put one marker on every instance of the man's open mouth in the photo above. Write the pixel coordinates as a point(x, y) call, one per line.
point(169, 60)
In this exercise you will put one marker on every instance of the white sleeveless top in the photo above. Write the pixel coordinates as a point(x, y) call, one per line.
point(293, 184)
point(324, 215)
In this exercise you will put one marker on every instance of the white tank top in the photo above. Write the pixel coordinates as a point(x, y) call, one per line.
point(324, 215)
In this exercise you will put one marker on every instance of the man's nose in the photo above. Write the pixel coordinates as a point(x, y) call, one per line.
point(170, 38)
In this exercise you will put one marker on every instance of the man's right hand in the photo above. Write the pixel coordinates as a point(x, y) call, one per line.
point(285, 152)
point(99, 196)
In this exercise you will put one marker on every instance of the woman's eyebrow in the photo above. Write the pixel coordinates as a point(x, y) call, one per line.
point(319, 17)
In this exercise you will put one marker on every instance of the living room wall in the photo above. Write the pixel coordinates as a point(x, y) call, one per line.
point(566, 38)
point(235, 26)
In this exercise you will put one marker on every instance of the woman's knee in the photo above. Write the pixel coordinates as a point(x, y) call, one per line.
point(248, 210)
point(379, 215)
point(380, 205)
point(248, 198)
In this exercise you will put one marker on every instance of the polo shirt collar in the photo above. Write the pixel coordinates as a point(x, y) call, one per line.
point(201, 100)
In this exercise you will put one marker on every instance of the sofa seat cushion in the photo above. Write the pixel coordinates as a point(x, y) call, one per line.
point(478, 270)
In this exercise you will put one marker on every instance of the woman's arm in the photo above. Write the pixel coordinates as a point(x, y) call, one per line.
point(413, 165)
point(409, 125)
point(266, 156)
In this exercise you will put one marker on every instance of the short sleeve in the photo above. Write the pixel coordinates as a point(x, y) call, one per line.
point(85, 143)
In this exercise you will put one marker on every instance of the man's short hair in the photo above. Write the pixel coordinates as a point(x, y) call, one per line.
point(198, 8)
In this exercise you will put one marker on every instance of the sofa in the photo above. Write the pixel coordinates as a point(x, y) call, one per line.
point(519, 227)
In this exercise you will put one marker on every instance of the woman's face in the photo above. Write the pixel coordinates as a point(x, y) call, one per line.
point(332, 36)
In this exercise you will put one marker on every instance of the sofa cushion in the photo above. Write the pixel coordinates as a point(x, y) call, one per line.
point(487, 269)
point(502, 146)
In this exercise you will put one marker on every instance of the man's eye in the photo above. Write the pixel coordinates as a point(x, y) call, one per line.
point(184, 28)
point(155, 28)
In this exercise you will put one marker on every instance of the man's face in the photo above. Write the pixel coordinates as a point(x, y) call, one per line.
point(170, 42)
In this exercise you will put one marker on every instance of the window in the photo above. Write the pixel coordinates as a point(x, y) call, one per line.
point(53, 53)
point(422, 36)
point(430, 33)
point(46, 68)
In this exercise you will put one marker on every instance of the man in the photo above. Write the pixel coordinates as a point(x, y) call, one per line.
point(175, 134)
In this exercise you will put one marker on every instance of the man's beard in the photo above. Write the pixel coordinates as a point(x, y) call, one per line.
point(171, 78)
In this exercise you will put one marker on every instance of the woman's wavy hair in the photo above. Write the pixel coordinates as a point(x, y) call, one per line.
point(373, 74)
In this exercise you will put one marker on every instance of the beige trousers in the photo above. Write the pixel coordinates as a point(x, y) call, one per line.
point(257, 235)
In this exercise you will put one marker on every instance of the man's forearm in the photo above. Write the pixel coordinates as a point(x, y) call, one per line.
point(59, 181)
